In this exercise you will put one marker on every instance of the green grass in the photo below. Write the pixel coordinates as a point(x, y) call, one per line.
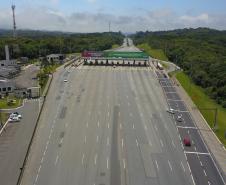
point(4, 117)
point(155, 53)
point(4, 104)
point(114, 46)
point(203, 101)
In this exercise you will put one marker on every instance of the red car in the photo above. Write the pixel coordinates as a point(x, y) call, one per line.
point(187, 141)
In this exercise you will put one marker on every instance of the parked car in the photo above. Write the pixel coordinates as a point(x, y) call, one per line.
point(172, 111)
point(14, 119)
point(179, 118)
point(187, 141)
point(15, 114)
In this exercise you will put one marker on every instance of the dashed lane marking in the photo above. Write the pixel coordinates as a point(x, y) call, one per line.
point(199, 153)
point(170, 165)
point(156, 163)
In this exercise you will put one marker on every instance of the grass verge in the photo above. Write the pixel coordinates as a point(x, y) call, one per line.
point(155, 53)
point(4, 103)
point(114, 46)
point(203, 101)
point(3, 118)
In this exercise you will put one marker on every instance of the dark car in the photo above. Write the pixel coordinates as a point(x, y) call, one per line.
point(187, 141)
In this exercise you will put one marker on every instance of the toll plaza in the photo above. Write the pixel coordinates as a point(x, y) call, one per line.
point(117, 58)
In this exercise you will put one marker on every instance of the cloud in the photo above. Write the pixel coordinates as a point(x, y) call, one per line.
point(203, 17)
point(44, 18)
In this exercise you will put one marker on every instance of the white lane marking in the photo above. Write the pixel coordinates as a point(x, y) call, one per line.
point(201, 163)
point(83, 156)
point(87, 125)
point(173, 144)
point(44, 153)
point(108, 141)
point(39, 169)
point(128, 104)
point(89, 112)
point(97, 139)
point(124, 163)
point(61, 141)
point(127, 96)
point(107, 163)
point(161, 142)
point(95, 159)
point(175, 100)
point(108, 125)
point(209, 183)
point(119, 113)
point(122, 143)
point(98, 124)
point(156, 128)
point(205, 172)
point(120, 126)
point(200, 153)
point(182, 166)
point(36, 179)
point(85, 139)
point(137, 142)
point(150, 143)
point(157, 166)
point(187, 127)
point(42, 160)
point(56, 160)
point(145, 127)
point(170, 165)
point(108, 113)
point(133, 126)
point(66, 125)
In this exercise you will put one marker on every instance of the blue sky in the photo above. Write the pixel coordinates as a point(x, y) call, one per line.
point(125, 15)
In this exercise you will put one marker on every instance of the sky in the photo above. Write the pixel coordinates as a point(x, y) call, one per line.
point(124, 15)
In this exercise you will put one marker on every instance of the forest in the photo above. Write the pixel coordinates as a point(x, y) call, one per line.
point(200, 52)
point(34, 44)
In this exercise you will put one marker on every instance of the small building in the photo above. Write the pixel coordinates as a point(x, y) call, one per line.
point(7, 62)
point(56, 58)
point(6, 86)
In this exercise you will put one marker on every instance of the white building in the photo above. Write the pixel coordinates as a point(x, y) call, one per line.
point(56, 58)
point(6, 86)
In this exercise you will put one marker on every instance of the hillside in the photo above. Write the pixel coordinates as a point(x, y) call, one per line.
point(33, 44)
point(200, 52)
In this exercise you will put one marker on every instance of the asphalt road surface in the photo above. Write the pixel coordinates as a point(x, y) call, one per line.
point(14, 142)
point(203, 167)
point(106, 126)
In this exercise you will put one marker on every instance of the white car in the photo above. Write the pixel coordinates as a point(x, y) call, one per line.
point(65, 80)
point(14, 119)
point(15, 114)
point(179, 118)
point(172, 111)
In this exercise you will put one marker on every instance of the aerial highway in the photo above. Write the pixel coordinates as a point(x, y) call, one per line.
point(109, 126)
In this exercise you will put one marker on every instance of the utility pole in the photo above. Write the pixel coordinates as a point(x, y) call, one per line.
point(109, 26)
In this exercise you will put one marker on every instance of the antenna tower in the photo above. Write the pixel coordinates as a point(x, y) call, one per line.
point(14, 20)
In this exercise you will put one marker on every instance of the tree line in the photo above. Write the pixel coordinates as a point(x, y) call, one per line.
point(34, 44)
point(200, 52)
